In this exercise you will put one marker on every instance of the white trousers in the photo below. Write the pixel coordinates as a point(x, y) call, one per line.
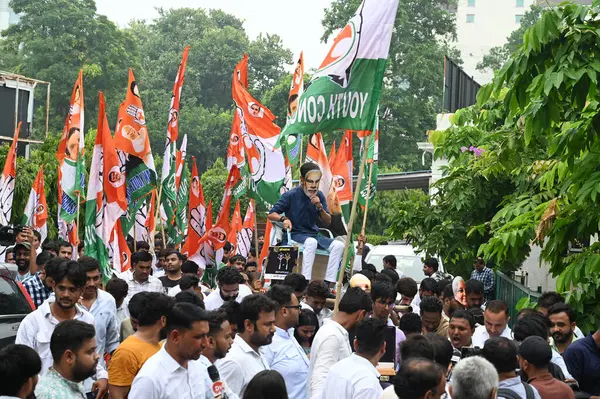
point(336, 250)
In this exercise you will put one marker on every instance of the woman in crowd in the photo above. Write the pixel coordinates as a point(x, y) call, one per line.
point(306, 330)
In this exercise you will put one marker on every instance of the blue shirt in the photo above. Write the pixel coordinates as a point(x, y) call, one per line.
point(583, 361)
point(486, 276)
point(104, 310)
point(297, 207)
point(286, 356)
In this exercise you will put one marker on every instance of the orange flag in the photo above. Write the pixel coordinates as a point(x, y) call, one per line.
point(196, 219)
point(244, 236)
point(36, 210)
point(265, 249)
point(315, 152)
point(235, 150)
point(341, 180)
point(332, 154)
point(121, 252)
point(7, 181)
point(347, 144)
point(131, 138)
point(236, 226)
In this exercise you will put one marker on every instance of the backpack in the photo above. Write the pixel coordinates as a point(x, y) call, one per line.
point(509, 394)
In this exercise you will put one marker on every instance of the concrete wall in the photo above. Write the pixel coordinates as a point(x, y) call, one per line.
point(492, 22)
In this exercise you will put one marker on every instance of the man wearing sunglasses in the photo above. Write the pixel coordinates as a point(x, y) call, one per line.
point(285, 354)
point(298, 210)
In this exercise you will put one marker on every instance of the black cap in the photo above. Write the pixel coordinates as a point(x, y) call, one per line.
point(308, 167)
point(536, 351)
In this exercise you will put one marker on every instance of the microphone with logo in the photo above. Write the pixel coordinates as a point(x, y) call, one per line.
point(218, 386)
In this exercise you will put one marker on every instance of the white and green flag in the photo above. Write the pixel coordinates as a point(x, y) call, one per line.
point(344, 91)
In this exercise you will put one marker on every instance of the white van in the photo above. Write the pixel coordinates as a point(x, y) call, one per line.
point(408, 263)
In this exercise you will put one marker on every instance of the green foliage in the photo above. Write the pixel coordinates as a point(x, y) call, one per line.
point(412, 95)
point(539, 178)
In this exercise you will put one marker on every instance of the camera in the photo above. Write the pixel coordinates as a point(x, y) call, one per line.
point(8, 234)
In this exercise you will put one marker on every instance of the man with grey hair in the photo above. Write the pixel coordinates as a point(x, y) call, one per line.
point(474, 378)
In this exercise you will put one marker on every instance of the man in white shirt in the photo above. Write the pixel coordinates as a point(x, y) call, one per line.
point(256, 327)
point(230, 287)
point(138, 278)
point(356, 377)
point(285, 354)
point(37, 327)
point(331, 343)
point(171, 373)
point(316, 297)
point(495, 323)
point(219, 342)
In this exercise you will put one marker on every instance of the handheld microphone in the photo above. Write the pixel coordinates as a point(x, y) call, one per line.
point(218, 386)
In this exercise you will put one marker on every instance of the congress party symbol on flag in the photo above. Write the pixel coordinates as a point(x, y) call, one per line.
point(7, 180)
point(35, 214)
point(344, 91)
point(70, 155)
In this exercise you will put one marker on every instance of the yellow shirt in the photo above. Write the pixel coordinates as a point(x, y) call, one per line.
point(128, 359)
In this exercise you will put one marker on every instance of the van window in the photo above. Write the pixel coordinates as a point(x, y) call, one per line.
point(11, 299)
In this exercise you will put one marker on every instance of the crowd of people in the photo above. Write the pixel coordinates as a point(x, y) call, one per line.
point(163, 330)
point(168, 328)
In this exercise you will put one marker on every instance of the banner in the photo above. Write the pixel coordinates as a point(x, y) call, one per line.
point(344, 91)
point(35, 214)
point(135, 155)
point(105, 199)
point(265, 163)
point(7, 181)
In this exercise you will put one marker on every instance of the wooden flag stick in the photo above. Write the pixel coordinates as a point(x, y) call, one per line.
point(134, 234)
point(253, 203)
point(78, 208)
point(361, 171)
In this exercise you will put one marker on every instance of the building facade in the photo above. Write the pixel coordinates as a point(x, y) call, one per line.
point(482, 25)
point(7, 16)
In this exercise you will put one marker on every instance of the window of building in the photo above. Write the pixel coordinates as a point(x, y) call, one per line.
point(471, 3)
point(470, 18)
point(520, 3)
point(518, 18)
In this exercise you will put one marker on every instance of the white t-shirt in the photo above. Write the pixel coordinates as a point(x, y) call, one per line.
point(214, 301)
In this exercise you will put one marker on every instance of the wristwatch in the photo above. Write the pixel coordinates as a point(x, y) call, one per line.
point(282, 219)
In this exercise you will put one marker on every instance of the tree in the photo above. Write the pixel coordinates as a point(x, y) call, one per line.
point(412, 94)
point(500, 54)
point(532, 137)
point(54, 39)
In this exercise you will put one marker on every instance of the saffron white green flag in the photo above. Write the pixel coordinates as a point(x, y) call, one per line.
point(106, 197)
point(344, 91)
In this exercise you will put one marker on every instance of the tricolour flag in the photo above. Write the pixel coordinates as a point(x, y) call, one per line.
point(315, 152)
point(169, 168)
point(236, 226)
point(7, 181)
point(71, 166)
point(344, 91)
point(182, 179)
point(35, 214)
point(371, 168)
point(341, 180)
point(197, 220)
point(235, 149)
point(265, 163)
point(121, 254)
point(293, 147)
point(244, 236)
point(105, 200)
point(135, 155)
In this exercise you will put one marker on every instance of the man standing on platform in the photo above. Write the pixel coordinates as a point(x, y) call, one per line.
point(298, 210)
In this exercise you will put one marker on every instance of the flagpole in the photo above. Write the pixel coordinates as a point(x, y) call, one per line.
point(78, 208)
point(338, 291)
point(134, 235)
point(364, 223)
point(255, 229)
